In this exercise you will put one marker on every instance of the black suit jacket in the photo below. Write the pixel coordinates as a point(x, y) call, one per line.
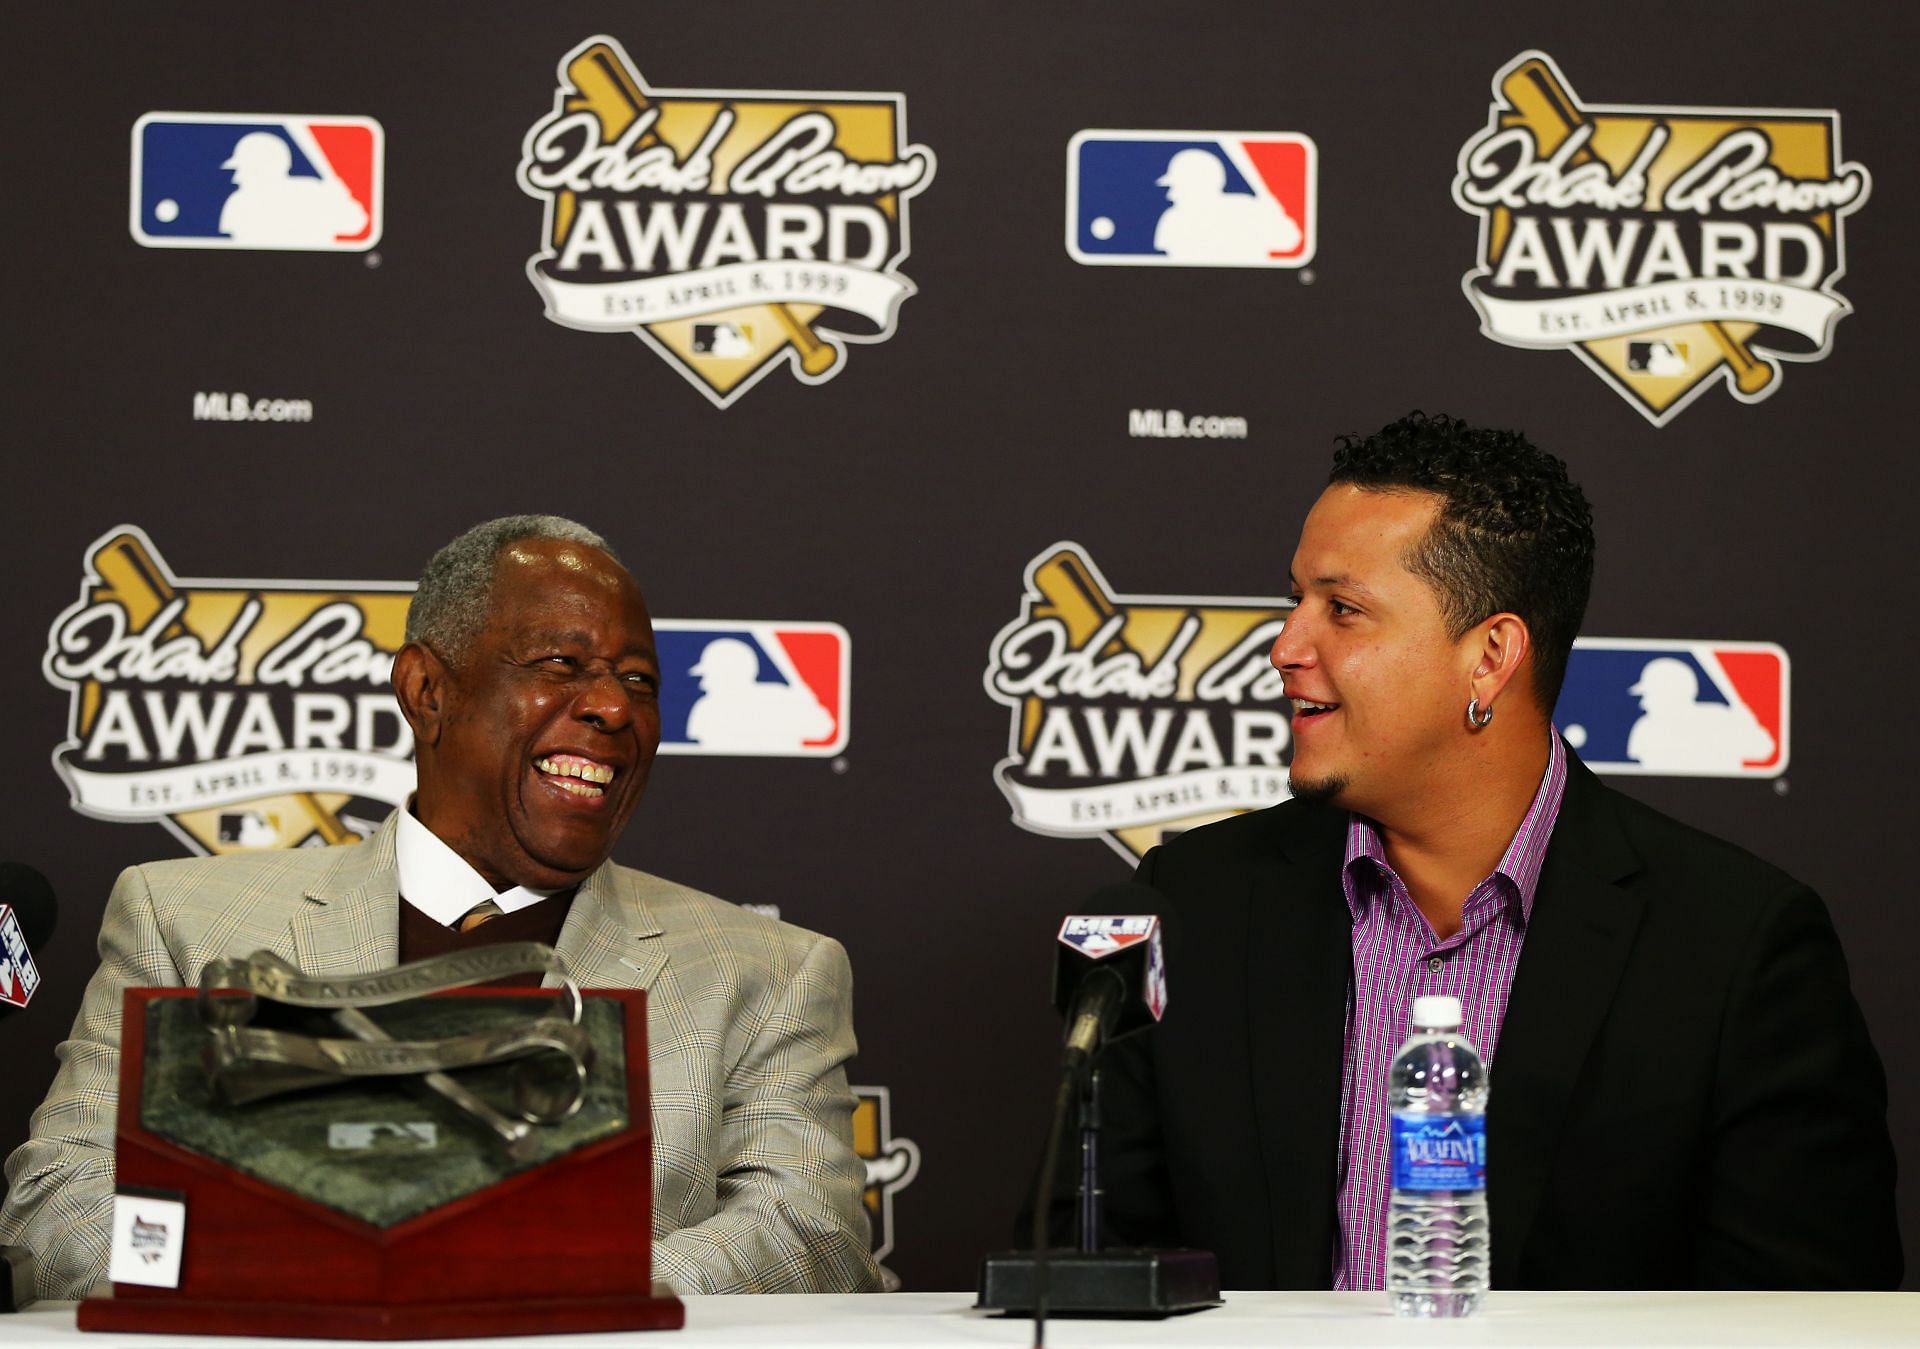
point(1684, 1094)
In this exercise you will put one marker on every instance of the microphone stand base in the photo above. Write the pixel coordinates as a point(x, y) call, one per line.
point(16, 1278)
point(1143, 1283)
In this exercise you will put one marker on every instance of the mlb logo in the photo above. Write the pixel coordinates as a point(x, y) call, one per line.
point(257, 180)
point(760, 688)
point(248, 829)
point(1192, 198)
point(1676, 708)
point(723, 339)
point(1662, 357)
point(18, 976)
point(1100, 936)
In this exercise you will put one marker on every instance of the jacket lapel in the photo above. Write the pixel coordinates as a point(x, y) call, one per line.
point(1299, 963)
point(350, 920)
point(1579, 936)
point(610, 938)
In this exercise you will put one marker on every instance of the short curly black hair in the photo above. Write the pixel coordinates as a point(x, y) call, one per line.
point(1514, 533)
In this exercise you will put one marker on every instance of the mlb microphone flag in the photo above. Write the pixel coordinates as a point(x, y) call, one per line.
point(18, 977)
point(1098, 937)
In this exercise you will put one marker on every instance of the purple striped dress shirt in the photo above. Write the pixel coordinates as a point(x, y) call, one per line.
point(1397, 958)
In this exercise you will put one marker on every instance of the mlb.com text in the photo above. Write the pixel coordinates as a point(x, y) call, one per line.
point(238, 407)
point(1156, 423)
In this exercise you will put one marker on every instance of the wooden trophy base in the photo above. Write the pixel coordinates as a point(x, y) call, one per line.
point(559, 1246)
point(383, 1321)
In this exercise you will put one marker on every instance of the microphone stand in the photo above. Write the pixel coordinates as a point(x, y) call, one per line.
point(16, 1278)
point(1086, 1279)
point(1083, 1074)
point(1091, 1194)
point(1083, 1279)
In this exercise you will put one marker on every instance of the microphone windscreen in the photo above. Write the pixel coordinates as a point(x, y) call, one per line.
point(1119, 931)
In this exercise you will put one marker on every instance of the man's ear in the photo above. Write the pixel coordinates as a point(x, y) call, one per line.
point(1500, 646)
point(420, 684)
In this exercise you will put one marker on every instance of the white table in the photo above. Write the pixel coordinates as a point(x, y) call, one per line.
point(1281, 1320)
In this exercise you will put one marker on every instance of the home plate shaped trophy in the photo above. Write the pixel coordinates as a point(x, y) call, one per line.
point(391, 1155)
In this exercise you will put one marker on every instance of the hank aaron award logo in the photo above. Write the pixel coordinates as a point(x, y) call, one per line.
point(730, 230)
point(239, 714)
point(1670, 248)
point(1136, 716)
point(891, 1162)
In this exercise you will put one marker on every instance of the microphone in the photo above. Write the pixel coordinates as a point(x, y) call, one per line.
point(1110, 971)
point(27, 919)
point(1109, 980)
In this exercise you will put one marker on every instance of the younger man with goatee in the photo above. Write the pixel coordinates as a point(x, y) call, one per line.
point(1683, 1091)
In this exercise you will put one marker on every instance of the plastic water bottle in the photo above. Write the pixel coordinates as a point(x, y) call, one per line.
point(1437, 1256)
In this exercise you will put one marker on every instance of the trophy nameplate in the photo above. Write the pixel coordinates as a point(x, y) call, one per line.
point(373, 1208)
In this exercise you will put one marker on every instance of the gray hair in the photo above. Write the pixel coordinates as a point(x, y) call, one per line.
point(450, 604)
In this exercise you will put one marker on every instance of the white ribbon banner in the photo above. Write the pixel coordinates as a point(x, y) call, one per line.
point(1121, 805)
point(149, 794)
point(1637, 309)
point(620, 306)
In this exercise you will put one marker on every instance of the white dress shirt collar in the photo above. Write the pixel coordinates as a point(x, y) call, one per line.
point(439, 882)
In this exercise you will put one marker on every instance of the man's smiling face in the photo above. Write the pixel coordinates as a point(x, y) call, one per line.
point(549, 722)
point(1378, 685)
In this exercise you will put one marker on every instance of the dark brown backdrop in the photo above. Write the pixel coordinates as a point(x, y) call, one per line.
point(902, 499)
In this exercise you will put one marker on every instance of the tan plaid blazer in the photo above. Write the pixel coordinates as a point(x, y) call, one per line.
point(756, 1187)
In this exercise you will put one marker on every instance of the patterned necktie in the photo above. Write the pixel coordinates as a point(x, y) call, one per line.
point(479, 914)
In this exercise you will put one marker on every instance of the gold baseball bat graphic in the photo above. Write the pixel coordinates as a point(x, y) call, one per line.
point(1546, 106)
point(607, 90)
point(1066, 584)
point(131, 576)
point(1077, 597)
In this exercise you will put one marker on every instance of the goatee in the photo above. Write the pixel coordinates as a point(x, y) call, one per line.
point(1324, 791)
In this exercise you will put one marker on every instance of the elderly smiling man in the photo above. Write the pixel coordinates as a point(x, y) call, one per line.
point(530, 682)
